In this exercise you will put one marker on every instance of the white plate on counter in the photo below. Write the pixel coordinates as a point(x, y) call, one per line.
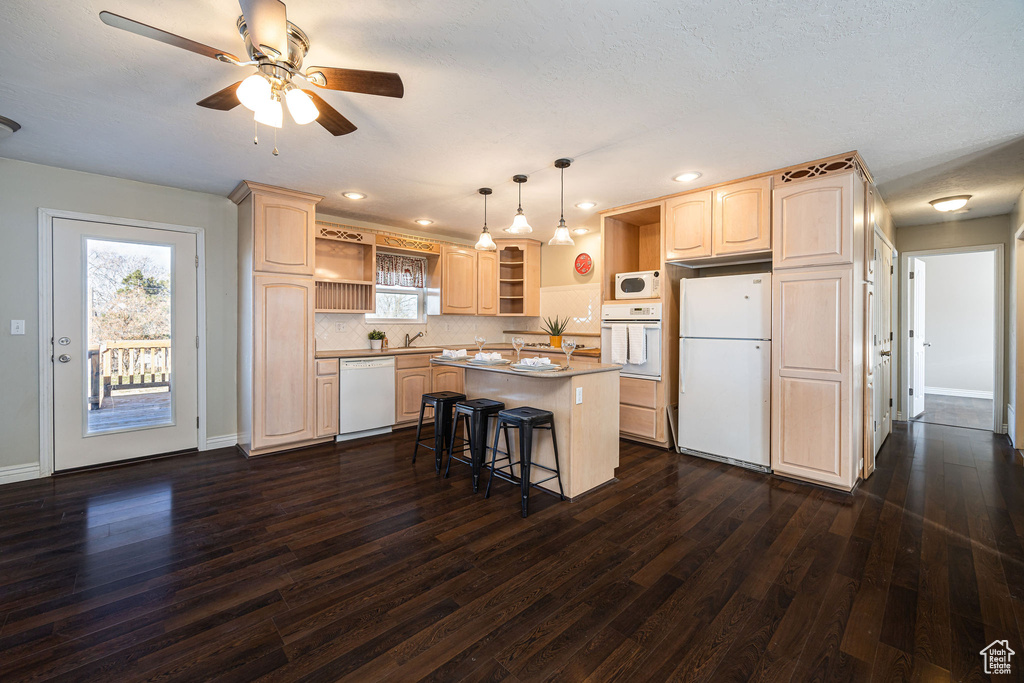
point(500, 361)
point(547, 367)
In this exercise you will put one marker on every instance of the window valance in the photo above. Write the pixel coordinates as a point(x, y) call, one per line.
point(401, 271)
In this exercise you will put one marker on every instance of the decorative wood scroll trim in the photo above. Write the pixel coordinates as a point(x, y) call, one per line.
point(342, 233)
point(820, 168)
point(422, 246)
point(394, 240)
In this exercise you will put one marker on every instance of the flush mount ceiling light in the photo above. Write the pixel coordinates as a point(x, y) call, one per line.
point(519, 225)
point(424, 221)
point(485, 243)
point(687, 177)
point(562, 237)
point(276, 47)
point(586, 205)
point(580, 231)
point(353, 195)
point(950, 203)
point(8, 127)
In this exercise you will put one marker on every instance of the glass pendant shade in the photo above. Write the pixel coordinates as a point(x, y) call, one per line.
point(519, 225)
point(562, 237)
point(485, 243)
point(270, 114)
point(254, 92)
point(301, 107)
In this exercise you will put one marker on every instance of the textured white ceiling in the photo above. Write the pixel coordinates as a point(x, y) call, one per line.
point(634, 92)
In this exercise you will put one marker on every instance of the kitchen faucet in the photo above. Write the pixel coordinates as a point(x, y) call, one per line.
point(409, 340)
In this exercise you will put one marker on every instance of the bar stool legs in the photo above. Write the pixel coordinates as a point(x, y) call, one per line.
point(525, 420)
point(419, 430)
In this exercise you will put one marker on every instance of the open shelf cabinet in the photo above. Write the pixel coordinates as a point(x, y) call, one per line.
point(346, 271)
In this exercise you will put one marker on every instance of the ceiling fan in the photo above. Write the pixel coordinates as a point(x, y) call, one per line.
point(276, 47)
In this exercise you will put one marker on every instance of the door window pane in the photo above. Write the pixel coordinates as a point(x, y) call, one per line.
point(128, 314)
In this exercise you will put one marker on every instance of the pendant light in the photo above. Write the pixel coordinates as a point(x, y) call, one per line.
point(519, 225)
point(485, 243)
point(562, 237)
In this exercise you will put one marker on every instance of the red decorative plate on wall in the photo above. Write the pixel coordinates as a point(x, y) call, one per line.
point(584, 263)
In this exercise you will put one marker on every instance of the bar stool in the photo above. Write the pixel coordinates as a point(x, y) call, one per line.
point(443, 403)
point(525, 420)
point(475, 414)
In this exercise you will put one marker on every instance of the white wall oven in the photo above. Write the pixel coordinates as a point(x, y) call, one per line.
point(631, 337)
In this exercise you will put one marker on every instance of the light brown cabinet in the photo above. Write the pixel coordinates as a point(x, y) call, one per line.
point(689, 226)
point(283, 399)
point(487, 283)
point(814, 221)
point(410, 385)
point(638, 407)
point(458, 280)
point(723, 223)
point(326, 397)
point(277, 387)
point(518, 280)
point(446, 378)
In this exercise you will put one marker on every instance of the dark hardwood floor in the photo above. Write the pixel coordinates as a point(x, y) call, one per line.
point(350, 563)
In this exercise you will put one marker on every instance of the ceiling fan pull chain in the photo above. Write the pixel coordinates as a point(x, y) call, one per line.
point(255, 133)
point(275, 142)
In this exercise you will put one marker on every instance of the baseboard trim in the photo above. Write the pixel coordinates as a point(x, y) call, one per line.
point(13, 473)
point(226, 441)
point(962, 393)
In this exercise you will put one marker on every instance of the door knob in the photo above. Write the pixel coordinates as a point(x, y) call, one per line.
point(64, 358)
point(927, 344)
point(885, 353)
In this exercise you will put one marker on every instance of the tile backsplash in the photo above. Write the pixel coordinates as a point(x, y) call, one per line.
point(580, 303)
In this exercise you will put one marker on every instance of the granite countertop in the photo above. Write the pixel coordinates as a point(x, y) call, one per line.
point(401, 351)
point(582, 369)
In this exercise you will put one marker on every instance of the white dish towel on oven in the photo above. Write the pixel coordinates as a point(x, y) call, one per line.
point(637, 345)
point(619, 344)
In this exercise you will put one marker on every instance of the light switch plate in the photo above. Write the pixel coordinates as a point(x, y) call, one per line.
point(579, 395)
point(17, 327)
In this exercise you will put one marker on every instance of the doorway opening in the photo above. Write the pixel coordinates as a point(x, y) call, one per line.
point(953, 337)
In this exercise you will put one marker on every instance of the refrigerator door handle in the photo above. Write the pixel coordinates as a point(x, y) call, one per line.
point(682, 367)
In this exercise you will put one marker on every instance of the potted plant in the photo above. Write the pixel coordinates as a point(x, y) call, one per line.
point(555, 328)
point(376, 339)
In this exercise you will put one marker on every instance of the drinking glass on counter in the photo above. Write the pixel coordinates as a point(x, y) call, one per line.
point(568, 346)
point(480, 341)
point(517, 345)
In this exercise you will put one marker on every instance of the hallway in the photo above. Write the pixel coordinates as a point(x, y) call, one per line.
point(957, 411)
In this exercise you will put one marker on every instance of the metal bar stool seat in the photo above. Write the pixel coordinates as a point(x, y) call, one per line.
point(475, 414)
point(443, 403)
point(525, 420)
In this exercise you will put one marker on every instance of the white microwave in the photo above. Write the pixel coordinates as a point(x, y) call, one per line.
point(645, 284)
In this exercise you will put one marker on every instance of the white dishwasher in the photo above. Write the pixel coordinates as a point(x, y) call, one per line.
point(366, 401)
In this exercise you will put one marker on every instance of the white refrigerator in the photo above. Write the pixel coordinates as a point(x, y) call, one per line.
point(725, 352)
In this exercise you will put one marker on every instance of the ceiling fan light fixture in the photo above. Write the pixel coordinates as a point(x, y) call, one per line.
point(300, 106)
point(950, 203)
point(270, 114)
point(254, 92)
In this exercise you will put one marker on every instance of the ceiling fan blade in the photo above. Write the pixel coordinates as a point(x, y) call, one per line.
point(354, 80)
point(329, 118)
point(138, 28)
point(222, 100)
point(267, 22)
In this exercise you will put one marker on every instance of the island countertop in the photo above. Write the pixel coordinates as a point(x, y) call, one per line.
point(590, 351)
point(573, 371)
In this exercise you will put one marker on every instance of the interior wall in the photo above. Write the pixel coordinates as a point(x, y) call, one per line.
point(951, 234)
point(557, 264)
point(960, 324)
point(1016, 301)
point(24, 189)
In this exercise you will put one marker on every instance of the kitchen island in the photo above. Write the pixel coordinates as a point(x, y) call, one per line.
point(585, 403)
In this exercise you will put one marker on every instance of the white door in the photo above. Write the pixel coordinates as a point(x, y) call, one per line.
point(881, 329)
point(125, 346)
point(724, 395)
point(917, 342)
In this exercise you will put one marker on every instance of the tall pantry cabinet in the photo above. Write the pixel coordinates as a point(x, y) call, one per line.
point(276, 301)
point(819, 298)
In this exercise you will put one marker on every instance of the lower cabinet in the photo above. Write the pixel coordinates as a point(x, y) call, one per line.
point(410, 385)
point(638, 407)
point(326, 397)
point(445, 378)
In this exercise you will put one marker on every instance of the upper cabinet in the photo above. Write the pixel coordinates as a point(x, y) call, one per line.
point(518, 277)
point(283, 230)
point(459, 280)
point(721, 224)
point(487, 283)
point(814, 221)
point(742, 217)
point(689, 226)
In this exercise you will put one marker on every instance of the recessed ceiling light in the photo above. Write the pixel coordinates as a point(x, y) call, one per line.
point(687, 177)
point(950, 203)
point(354, 195)
point(424, 221)
point(580, 231)
point(586, 205)
point(8, 127)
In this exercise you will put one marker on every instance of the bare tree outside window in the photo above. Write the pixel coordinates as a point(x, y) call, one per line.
point(394, 303)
